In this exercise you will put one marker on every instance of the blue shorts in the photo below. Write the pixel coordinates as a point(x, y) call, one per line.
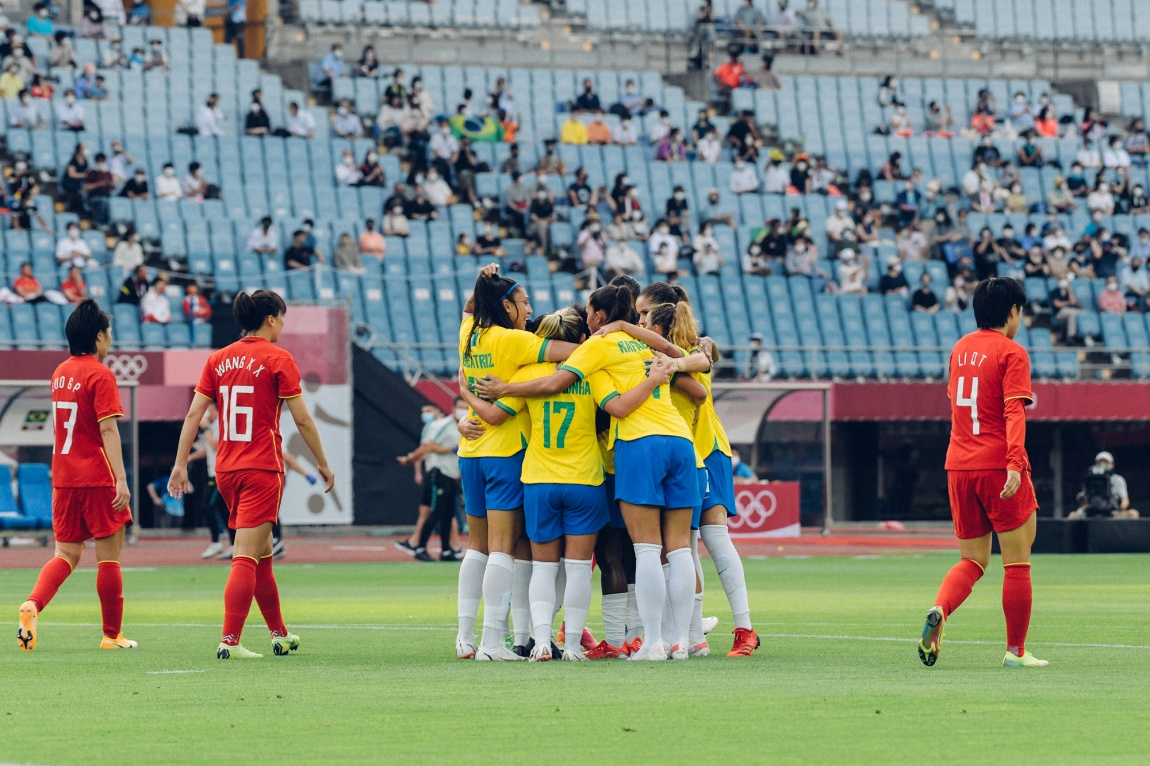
point(491, 484)
point(554, 510)
point(721, 486)
point(704, 489)
point(616, 519)
point(658, 471)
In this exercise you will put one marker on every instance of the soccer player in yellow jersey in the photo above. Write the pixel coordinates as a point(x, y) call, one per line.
point(655, 480)
point(492, 341)
point(564, 501)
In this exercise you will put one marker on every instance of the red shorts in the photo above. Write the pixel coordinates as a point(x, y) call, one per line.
point(252, 496)
point(977, 508)
point(81, 513)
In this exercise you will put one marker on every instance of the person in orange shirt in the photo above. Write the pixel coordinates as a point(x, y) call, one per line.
point(730, 74)
point(988, 472)
point(598, 132)
point(75, 289)
point(371, 242)
point(982, 122)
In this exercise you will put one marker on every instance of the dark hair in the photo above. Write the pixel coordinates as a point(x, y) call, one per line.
point(614, 301)
point(629, 283)
point(251, 310)
point(993, 300)
point(487, 303)
point(662, 292)
point(86, 322)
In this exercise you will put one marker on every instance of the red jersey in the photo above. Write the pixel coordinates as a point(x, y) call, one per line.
point(84, 393)
point(989, 373)
point(249, 381)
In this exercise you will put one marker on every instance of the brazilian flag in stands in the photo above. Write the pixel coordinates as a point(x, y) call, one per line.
point(483, 129)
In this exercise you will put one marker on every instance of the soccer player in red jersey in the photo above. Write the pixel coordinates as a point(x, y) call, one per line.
point(249, 381)
point(988, 472)
point(89, 485)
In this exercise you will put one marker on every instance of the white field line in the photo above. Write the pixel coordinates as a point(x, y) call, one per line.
point(441, 628)
point(170, 672)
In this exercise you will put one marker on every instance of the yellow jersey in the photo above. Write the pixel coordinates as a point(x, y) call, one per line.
point(709, 432)
point(606, 450)
point(500, 352)
point(622, 358)
point(563, 446)
point(687, 410)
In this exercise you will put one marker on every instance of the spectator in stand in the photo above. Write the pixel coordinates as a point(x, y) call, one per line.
point(40, 22)
point(540, 215)
point(715, 211)
point(924, 298)
point(195, 186)
point(631, 100)
point(982, 121)
point(70, 114)
point(333, 65)
point(1111, 300)
point(678, 214)
point(907, 202)
point(785, 21)
point(598, 132)
point(1137, 142)
point(1116, 155)
point(300, 123)
point(1135, 283)
point(749, 24)
point(347, 255)
point(29, 290)
point(579, 193)
point(197, 309)
point(121, 163)
point(113, 56)
point(1021, 113)
point(420, 208)
point(800, 180)
point(742, 129)
point(768, 80)
point(62, 55)
point(852, 272)
point(743, 178)
point(591, 245)
point(1035, 264)
point(776, 176)
point(395, 222)
point(1030, 154)
point(1060, 198)
point(516, 201)
point(1088, 156)
point(299, 255)
point(551, 163)
point(899, 123)
point(802, 260)
point(709, 148)
point(157, 59)
point(1092, 127)
point(1139, 202)
point(99, 186)
point(256, 122)
point(892, 168)
point(189, 13)
point(838, 225)
point(701, 127)
point(731, 74)
point(443, 147)
point(622, 259)
point(25, 113)
point(437, 190)
point(1140, 246)
point(1046, 123)
point(167, 185)
point(662, 235)
point(129, 253)
point(346, 172)
point(210, 119)
point(889, 92)
point(672, 148)
point(488, 242)
point(371, 242)
point(465, 165)
point(893, 282)
point(587, 101)
point(263, 240)
point(1100, 200)
point(139, 15)
point(11, 82)
point(346, 123)
point(71, 250)
point(154, 306)
point(573, 131)
point(626, 134)
point(911, 243)
point(371, 171)
point(134, 286)
point(761, 367)
point(986, 153)
point(817, 26)
point(707, 258)
point(958, 294)
point(74, 288)
point(368, 65)
point(755, 261)
point(1066, 309)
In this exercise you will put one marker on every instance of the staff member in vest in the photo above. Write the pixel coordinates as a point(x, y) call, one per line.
point(437, 449)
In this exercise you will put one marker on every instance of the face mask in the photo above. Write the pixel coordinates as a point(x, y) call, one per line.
point(348, 161)
point(70, 100)
point(169, 172)
point(338, 55)
point(595, 229)
point(427, 417)
point(139, 179)
point(372, 157)
point(21, 167)
point(460, 414)
point(680, 196)
point(255, 108)
point(73, 233)
point(101, 166)
point(735, 460)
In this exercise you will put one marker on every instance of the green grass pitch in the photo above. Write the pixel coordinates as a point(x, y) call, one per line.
point(837, 680)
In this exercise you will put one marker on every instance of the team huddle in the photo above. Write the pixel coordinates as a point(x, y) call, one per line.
point(594, 434)
point(592, 437)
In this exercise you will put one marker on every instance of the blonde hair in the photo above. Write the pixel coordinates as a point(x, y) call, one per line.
point(567, 324)
point(677, 321)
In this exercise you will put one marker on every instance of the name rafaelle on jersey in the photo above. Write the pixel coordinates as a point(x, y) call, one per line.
point(238, 363)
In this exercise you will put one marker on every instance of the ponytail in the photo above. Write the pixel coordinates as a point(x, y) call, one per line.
point(615, 302)
point(661, 292)
point(567, 324)
point(677, 322)
point(629, 283)
point(251, 310)
point(487, 303)
point(85, 323)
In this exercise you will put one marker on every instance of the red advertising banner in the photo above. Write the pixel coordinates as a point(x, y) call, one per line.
point(766, 510)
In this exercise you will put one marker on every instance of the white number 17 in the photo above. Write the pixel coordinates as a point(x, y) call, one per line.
point(969, 401)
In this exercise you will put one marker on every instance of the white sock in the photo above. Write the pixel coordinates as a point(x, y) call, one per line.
point(668, 616)
point(560, 587)
point(615, 618)
point(521, 601)
point(497, 580)
point(634, 619)
point(470, 591)
point(730, 569)
point(696, 632)
point(650, 591)
point(542, 600)
point(576, 601)
point(681, 590)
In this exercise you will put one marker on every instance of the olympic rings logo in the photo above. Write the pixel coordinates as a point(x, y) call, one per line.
point(127, 367)
point(755, 507)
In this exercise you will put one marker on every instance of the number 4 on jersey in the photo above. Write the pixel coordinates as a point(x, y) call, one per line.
point(969, 401)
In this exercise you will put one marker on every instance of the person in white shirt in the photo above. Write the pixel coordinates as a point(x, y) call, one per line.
point(263, 239)
point(1101, 200)
point(707, 258)
point(437, 191)
point(621, 259)
point(73, 251)
point(25, 113)
point(443, 146)
point(120, 165)
point(1088, 156)
point(775, 177)
point(167, 185)
point(625, 134)
point(70, 114)
point(852, 273)
point(300, 123)
point(210, 119)
point(839, 223)
point(347, 123)
point(661, 129)
point(154, 306)
point(710, 148)
point(743, 178)
point(194, 185)
point(1116, 155)
point(113, 11)
point(663, 236)
point(129, 253)
point(346, 172)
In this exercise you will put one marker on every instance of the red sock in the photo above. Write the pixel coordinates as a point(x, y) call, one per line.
point(957, 585)
point(1017, 598)
point(268, 597)
point(238, 595)
point(52, 576)
point(110, 587)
